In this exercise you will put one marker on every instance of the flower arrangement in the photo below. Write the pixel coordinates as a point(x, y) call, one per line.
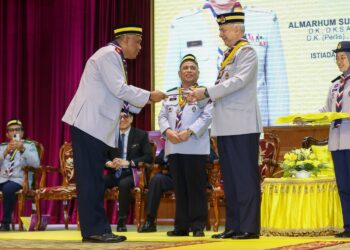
point(299, 160)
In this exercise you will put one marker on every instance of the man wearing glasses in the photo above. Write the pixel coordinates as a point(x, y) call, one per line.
point(14, 154)
point(133, 147)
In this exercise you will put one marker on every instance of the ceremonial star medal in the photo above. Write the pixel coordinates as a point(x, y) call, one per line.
point(194, 109)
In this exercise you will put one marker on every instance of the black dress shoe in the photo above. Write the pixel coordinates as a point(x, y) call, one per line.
point(148, 227)
point(121, 228)
point(104, 238)
point(224, 235)
point(175, 233)
point(198, 233)
point(345, 234)
point(246, 236)
point(5, 227)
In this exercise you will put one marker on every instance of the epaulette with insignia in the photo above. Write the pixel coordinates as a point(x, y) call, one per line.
point(172, 89)
point(335, 79)
point(28, 141)
point(118, 50)
point(187, 13)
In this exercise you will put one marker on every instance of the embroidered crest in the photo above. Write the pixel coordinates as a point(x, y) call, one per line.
point(222, 19)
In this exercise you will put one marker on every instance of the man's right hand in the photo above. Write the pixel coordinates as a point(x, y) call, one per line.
point(172, 136)
point(157, 96)
point(11, 147)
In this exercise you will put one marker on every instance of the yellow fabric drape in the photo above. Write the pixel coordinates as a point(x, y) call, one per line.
point(309, 206)
point(313, 119)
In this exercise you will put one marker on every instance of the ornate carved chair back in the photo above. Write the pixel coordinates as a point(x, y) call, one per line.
point(309, 141)
point(67, 164)
point(269, 148)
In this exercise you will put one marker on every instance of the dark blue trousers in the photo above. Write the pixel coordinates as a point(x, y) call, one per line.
point(238, 156)
point(9, 189)
point(159, 184)
point(90, 155)
point(189, 175)
point(341, 159)
point(124, 184)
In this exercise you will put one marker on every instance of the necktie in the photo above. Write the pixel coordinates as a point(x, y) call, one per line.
point(339, 103)
point(118, 172)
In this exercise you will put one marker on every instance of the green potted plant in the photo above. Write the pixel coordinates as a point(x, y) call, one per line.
point(301, 163)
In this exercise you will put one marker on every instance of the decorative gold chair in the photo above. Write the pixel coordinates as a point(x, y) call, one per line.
point(28, 191)
point(138, 190)
point(65, 192)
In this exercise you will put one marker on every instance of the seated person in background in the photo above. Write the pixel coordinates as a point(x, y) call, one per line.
point(162, 182)
point(133, 147)
point(14, 154)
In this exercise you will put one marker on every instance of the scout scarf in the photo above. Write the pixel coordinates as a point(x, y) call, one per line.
point(229, 56)
point(182, 102)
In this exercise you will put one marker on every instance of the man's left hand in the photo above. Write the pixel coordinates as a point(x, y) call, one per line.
point(184, 134)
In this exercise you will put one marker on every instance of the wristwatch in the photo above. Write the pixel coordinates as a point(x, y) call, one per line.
point(206, 94)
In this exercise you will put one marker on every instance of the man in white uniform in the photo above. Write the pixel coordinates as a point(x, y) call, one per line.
point(93, 115)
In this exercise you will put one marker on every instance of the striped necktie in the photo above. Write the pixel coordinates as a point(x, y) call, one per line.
point(339, 103)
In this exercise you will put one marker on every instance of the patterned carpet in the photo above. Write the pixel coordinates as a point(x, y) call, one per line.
point(72, 245)
point(60, 239)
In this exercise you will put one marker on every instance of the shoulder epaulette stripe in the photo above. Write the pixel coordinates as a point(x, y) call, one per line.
point(172, 89)
point(337, 78)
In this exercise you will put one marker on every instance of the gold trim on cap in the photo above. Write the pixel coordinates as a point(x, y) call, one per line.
point(136, 29)
point(223, 19)
point(14, 122)
point(339, 46)
point(189, 58)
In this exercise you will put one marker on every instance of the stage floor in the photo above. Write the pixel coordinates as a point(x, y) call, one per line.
point(55, 237)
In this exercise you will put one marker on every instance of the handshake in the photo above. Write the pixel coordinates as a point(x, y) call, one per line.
point(117, 163)
point(193, 95)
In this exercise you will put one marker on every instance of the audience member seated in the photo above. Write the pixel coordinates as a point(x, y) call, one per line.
point(133, 147)
point(14, 154)
point(161, 182)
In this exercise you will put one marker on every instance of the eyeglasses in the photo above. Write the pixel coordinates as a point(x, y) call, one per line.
point(124, 116)
point(14, 130)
